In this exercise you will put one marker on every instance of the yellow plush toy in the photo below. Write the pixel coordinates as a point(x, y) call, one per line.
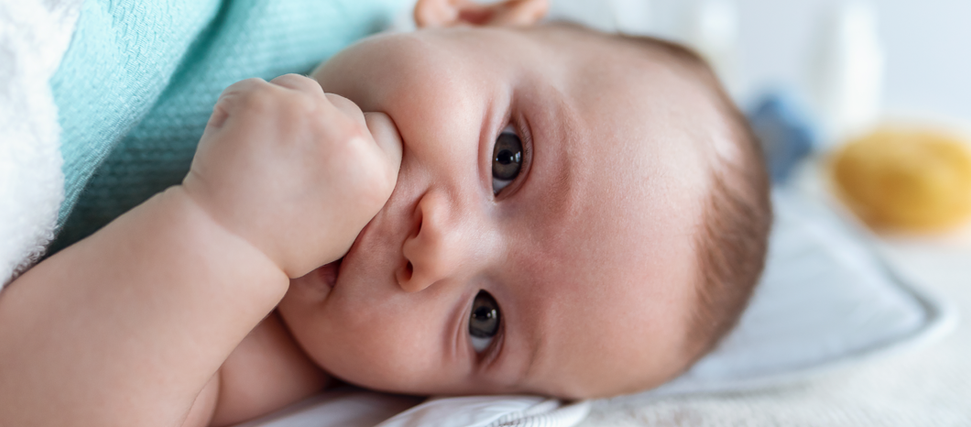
point(906, 179)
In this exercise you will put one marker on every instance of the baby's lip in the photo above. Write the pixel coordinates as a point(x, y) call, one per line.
point(328, 273)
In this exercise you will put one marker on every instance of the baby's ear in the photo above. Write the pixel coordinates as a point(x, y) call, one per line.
point(448, 13)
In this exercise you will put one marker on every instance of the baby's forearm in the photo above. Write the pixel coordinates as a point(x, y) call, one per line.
point(127, 326)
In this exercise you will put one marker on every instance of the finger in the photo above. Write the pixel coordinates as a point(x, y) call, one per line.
point(227, 101)
point(348, 107)
point(299, 83)
point(218, 117)
point(386, 137)
point(521, 13)
point(243, 86)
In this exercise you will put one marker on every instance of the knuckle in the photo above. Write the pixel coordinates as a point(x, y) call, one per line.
point(244, 85)
point(295, 104)
point(298, 83)
point(346, 134)
point(301, 103)
point(344, 105)
point(354, 132)
point(259, 99)
point(266, 99)
point(339, 101)
point(289, 77)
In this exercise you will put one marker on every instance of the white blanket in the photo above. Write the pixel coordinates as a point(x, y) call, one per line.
point(33, 37)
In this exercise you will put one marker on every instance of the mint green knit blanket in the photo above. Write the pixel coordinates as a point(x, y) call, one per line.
point(140, 78)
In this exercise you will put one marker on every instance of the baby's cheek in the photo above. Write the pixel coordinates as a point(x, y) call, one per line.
point(388, 358)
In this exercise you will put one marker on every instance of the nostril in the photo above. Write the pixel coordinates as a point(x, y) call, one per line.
point(404, 275)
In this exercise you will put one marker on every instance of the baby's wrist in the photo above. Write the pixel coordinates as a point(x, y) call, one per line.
point(218, 237)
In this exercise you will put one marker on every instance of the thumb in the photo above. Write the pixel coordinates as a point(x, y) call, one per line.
point(386, 137)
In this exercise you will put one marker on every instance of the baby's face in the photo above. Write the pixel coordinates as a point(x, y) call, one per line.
point(560, 262)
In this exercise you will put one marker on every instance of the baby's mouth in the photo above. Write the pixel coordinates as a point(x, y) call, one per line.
point(329, 272)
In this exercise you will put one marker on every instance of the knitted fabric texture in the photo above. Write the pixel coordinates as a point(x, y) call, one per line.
point(139, 80)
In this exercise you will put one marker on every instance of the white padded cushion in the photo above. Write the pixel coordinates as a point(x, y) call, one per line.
point(826, 301)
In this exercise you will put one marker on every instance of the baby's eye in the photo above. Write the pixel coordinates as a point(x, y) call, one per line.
point(507, 159)
point(484, 321)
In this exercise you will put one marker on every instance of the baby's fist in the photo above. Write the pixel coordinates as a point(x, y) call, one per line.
point(293, 171)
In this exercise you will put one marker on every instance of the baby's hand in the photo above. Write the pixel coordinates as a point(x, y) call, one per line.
point(293, 171)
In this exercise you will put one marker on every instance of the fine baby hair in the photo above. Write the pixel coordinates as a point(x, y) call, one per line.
point(732, 242)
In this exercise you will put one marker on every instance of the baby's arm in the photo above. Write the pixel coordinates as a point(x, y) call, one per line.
point(127, 326)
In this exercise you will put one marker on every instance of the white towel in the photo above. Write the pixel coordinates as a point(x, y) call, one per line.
point(34, 34)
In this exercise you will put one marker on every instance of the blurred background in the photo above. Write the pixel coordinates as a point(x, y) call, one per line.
point(927, 60)
point(927, 56)
point(860, 101)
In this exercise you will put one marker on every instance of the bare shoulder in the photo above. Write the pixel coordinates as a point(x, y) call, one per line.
point(266, 372)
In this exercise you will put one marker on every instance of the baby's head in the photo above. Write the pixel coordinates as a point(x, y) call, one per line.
point(577, 214)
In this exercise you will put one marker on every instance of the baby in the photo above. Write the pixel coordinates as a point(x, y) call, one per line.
point(486, 207)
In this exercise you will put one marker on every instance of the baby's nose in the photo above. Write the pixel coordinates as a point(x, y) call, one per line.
point(439, 248)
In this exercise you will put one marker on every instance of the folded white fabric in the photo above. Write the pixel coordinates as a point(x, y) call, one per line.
point(344, 407)
point(491, 411)
point(350, 407)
